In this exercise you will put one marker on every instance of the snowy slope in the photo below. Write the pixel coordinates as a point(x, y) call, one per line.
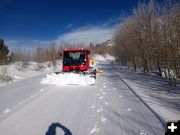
point(108, 107)
point(17, 71)
point(155, 91)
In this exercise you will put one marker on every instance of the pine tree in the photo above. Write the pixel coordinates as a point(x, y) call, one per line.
point(3, 52)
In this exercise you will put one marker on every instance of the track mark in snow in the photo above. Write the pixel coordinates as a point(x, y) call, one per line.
point(94, 130)
point(33, 96)
point(7, 110)
point(93, 106)
point(22, 102)
point(14, 107)
point(41, 90)
point(103, 119)
point(128, 109)
point(142, 132)
point(100, 90)
point(99, 110)
point(19, 103)
point(102, 97)
point(106, 103)
point(104, 93)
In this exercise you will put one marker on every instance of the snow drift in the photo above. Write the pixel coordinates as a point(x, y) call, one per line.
point(19, 70)
point(68, 79)
point(103, 58)
point(99, 58)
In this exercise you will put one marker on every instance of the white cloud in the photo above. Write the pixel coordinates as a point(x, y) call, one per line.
point(87, 34)
point(11, 42)
point(90, 33)
point(25, 43)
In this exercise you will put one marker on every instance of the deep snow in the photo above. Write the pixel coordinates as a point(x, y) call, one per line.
point(18, 71)
point(163, 98)
point(109, 107)
point(63, 79)
point(154, 90)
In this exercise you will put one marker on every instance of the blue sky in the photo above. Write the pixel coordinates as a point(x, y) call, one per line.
point(37, 22)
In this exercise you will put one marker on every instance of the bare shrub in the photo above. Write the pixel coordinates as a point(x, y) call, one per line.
point(149, 39)
point(23, 55)
point(4, 77)
point(52, 52)
point(101, 48)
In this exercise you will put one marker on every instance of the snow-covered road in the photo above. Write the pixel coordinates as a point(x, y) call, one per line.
point(107, 108)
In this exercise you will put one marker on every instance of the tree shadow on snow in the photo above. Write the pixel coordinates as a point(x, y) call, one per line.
point(53, 126)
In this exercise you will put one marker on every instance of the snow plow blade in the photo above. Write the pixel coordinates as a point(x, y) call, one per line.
point(68, 78)
point(99, 71)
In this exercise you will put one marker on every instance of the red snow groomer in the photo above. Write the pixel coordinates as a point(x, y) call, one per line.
point(78, 61)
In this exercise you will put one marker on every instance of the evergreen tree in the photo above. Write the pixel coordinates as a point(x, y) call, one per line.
point(3, 52)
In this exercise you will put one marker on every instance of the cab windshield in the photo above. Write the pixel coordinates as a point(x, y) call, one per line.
point(74, 58)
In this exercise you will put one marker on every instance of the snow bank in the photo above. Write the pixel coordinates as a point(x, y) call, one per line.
point(157, 93)
point(109, 57)
point(103, 57)
point(68, 79)
point(17, 71)
point(99, 57)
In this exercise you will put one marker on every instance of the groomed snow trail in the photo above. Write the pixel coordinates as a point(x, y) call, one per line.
point(106, 108)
